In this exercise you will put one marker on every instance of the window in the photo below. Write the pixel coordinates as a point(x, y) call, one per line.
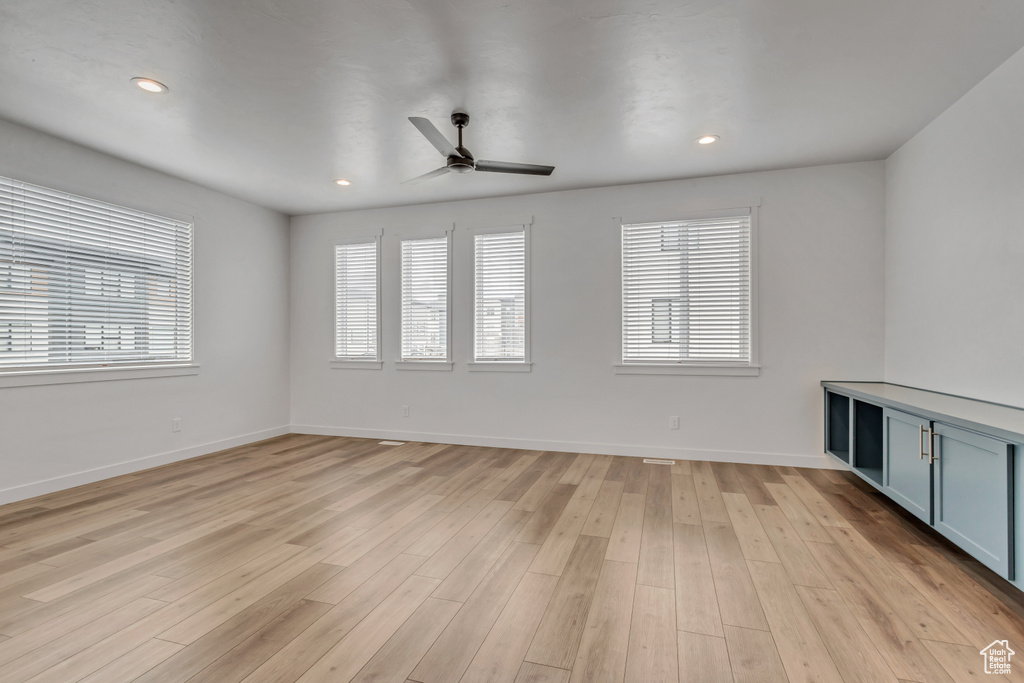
point(686, 293)
point(86, 284)
point(499, 320)
point(356, 331)
point(425, 299)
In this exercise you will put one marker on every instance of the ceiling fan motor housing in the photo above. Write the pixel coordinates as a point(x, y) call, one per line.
point(460, 164)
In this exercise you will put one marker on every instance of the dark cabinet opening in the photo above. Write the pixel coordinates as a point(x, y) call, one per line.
point(837, 425)
point(867, 440)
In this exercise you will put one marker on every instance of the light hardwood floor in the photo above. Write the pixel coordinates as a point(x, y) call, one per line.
point(310, 558)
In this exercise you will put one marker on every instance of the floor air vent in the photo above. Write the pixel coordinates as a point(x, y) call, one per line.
point(658, 461)
point(391, 443)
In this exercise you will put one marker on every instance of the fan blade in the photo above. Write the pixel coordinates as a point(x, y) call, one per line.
point(431, 133)
point(427, 176)
point(508, 167)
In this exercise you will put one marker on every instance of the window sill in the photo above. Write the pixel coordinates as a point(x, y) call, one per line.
point(357, 364)
point(72, 376)
point(706, 370)
point(499, 367)
point(435, 365)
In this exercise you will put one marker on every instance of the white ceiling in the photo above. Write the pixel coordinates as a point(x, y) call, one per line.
point(272, 99)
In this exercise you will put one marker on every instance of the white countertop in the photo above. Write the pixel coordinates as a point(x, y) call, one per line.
point(997, 420)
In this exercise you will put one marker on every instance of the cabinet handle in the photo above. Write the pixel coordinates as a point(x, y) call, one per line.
point(920, 442)
point(931, 448)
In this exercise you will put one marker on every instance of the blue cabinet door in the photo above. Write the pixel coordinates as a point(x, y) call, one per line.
point(907, 474)
point(972, 494)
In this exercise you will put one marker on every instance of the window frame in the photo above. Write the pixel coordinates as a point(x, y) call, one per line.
point(42, 375)
point(751, 368)
point(341, 363)
point(447, 363)
point(525, 365)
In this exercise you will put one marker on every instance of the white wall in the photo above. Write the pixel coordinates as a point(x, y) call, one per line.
point(955, 247)
point(56, 436)
point(821, 310)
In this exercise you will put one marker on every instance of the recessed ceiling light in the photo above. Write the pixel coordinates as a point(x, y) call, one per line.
point(149, 85)
point(343, 182)
point(707, 139)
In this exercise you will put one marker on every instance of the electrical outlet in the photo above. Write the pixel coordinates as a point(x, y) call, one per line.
point(405, 411)
point(673, 422)
point(176, 424)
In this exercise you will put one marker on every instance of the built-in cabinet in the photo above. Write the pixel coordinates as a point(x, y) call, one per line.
point(944, 466)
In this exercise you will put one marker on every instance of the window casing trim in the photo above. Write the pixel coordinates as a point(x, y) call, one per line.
point(500, 366)
point(720, 370)
point(361, 237)
point(708, 210)
point(357, 364)
point(498, 227)
point(113, 369)
point(433, 365)
point(692, 211)
point(483, 365)
point(78, 375)
point(401, 363)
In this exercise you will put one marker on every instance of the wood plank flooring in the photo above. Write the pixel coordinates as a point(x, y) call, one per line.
point(306, 558)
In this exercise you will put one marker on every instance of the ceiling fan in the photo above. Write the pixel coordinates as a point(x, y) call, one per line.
point(459, 158)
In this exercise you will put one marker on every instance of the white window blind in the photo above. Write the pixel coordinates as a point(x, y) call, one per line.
point(686, 292)
point(499, 319)
point(355, 287)
point(425, 299)
point(86, 284)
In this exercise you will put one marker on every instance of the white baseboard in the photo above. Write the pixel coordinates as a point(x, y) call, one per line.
point(820, 461)
point(39, 488)
point(67, 481)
